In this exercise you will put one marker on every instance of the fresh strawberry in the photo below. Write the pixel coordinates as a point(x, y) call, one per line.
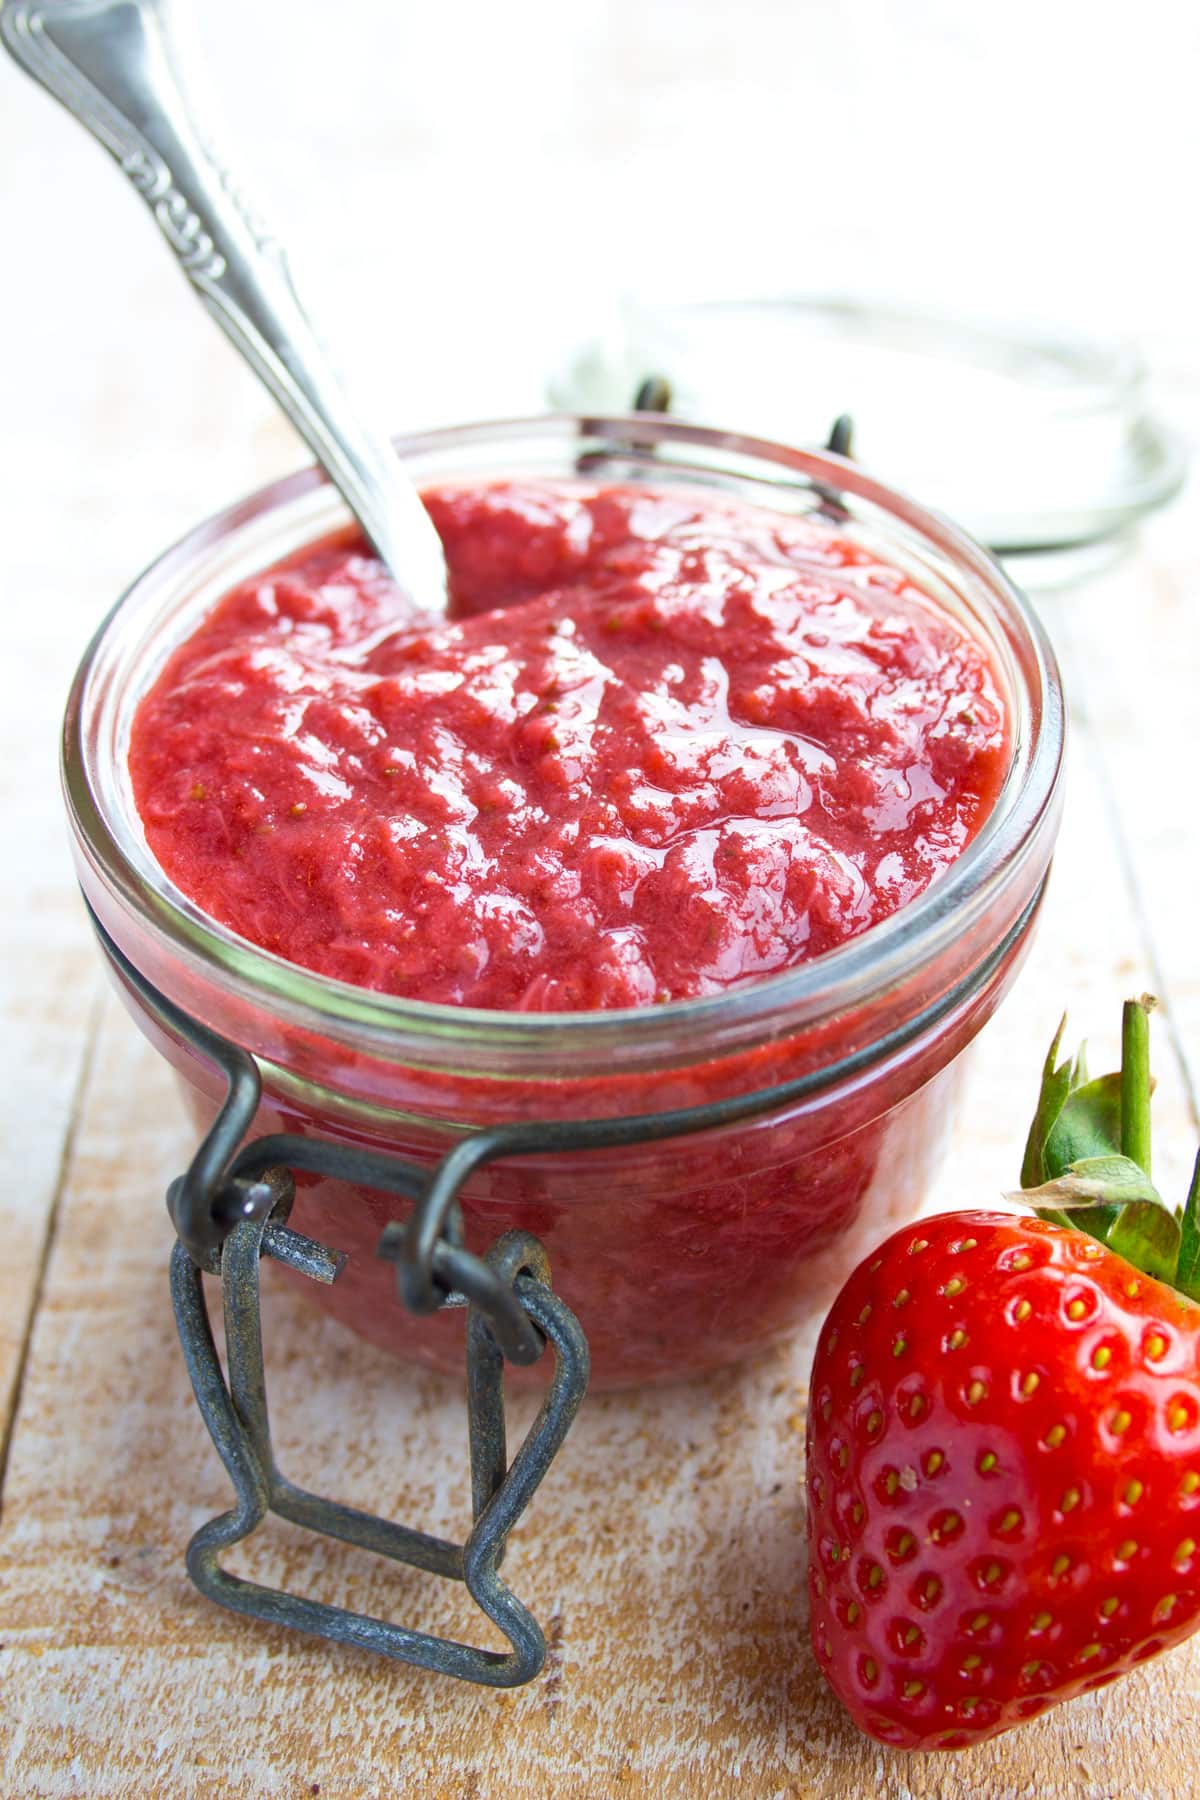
point(1004, 1436)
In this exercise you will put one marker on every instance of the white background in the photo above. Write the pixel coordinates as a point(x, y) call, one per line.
point(465, 188)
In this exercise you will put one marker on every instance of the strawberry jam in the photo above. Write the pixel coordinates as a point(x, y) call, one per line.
point(664, 744)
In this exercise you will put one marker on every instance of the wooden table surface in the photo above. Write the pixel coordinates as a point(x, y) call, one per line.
point(665, 1553)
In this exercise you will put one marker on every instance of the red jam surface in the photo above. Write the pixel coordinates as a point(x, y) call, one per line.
point(665, 743)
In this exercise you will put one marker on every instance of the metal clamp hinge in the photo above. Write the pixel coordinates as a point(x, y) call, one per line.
point(234, 1408)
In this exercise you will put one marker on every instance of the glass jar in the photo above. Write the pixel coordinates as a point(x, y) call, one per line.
point(678, 1254)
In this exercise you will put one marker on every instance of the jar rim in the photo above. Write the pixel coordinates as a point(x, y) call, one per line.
point(112, 850)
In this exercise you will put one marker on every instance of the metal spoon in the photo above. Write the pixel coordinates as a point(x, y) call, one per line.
point(112, 63)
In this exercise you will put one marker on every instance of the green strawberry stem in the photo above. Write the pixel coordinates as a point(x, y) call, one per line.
point(1087, 1160)
point(1135, 1082)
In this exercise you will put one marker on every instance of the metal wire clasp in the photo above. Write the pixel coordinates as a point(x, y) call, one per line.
point(234, 1409)
point(230, 1209)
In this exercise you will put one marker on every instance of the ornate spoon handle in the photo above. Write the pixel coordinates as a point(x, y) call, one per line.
point(112, 64)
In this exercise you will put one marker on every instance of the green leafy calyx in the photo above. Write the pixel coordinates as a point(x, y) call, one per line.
point(1087, 1159)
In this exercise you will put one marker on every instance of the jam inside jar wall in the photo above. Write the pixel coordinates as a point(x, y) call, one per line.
point(672, 1267)
point(676, 1256)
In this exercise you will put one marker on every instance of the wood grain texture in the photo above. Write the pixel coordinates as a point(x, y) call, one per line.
point(47, 993)
point(1133, 648)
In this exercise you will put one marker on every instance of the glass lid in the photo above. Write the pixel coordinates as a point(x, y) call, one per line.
point(1035, 442)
